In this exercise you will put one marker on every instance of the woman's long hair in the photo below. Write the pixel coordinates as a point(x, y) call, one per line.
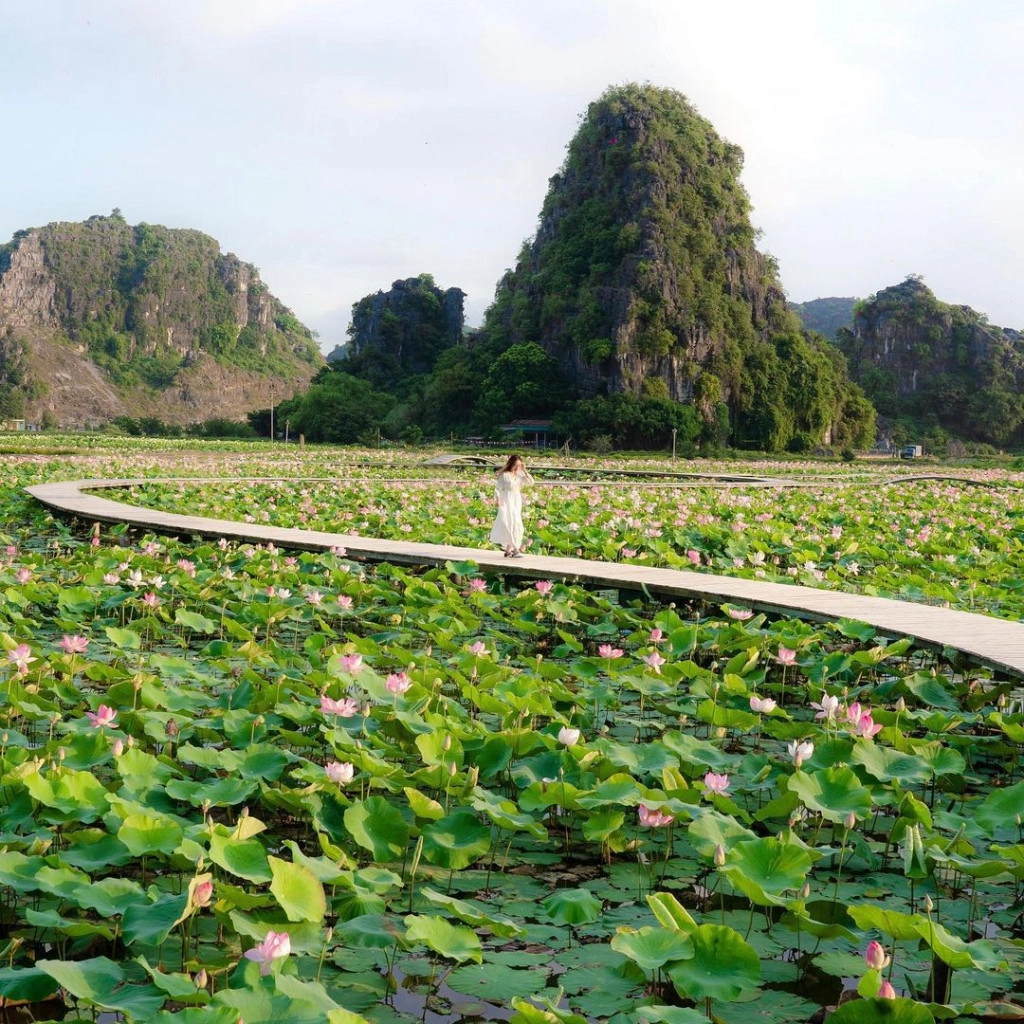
point(511, 464)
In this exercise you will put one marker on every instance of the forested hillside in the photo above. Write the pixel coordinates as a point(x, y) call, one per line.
point(930, 367)
point(102, 319)
point(826, 315)
point(642, 307)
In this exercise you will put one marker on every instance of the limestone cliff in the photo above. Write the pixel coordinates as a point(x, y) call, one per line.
point(644, 262)
point(102, 319)
point(644, 279)
point(409, 325)
point(936, 364)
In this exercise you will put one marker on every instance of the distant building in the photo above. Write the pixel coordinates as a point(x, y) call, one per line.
point(534, 432)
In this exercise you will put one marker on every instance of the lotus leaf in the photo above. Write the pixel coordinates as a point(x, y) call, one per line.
point(723, 966)
point(834, 793)
point(455, 942)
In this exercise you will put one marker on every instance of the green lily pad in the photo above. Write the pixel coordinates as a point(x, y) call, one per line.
point(497, 983)
point(723, 965)
point(454, 941)
point(297, 890)
point(652, 948)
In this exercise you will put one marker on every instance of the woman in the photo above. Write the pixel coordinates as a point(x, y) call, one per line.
point(508, 526)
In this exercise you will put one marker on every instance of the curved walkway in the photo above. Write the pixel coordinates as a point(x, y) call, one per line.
point(994, 642)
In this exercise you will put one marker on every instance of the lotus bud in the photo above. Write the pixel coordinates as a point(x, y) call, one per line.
point(875, 956)
point(61, 753)
point(202, 894)
point(805, 892)
point(928, 905)
point(328, 935)
point(901, 705)
point(850, 821)
point(447, 745)
point(452, 769)
point(201, 979)
point(719, 856)
point(886, 991)
point(118, 747)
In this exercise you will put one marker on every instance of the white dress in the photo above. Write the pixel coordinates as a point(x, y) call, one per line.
point(508, 526)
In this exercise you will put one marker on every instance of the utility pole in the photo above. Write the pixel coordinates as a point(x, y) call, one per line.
point(674, 429)
point(271, 413)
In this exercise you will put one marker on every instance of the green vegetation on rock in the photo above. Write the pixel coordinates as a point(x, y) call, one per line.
point(643, 279)
point(937, 369)
point(143, 303)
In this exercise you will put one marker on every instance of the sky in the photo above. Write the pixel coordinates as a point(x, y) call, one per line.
point(340, 145)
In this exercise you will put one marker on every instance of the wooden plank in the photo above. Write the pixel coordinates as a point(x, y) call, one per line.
point(998, 643)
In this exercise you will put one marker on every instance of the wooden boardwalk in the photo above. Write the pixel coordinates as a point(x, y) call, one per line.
point(997, 643)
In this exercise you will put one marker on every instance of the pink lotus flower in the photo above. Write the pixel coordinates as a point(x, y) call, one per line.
point(875, 956)
point(479, 648)
point(741, 614)
point(102, 717)
point(315, 598)
point(607, 651)
point(23, 575)
point(274, 946)
point(398, 682)
point(21, 657)
point(342, 708)
point(800, 752)
point(74, 644)
point(568, 737)
point(477, 585)
point(865, 726)
point(654, 818)
point(338, 551)
point(544, 587)
point(828, 708)
point(351, 663)
point(693, 556)
point(656, 635)
point(714, 783)
point(654, 661)
point(886, 991)
point(340, 772)
point(786, 656)
point(344, 602)
point(762, 705)
point(150, 600)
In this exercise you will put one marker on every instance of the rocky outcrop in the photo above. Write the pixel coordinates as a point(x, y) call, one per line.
point(411, 324)
point(101, 319)
point(644, 263)
point(28, 291)
point(934, 363)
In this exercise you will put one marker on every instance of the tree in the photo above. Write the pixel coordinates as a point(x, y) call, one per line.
point(339, 408)
point(523, 381)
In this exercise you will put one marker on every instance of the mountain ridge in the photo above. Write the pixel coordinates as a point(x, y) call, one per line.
point(100, 319)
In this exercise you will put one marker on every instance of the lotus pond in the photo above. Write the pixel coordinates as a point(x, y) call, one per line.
point(242, 784)
point(944, 541)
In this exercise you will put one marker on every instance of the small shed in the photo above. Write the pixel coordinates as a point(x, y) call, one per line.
point(535, 432)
